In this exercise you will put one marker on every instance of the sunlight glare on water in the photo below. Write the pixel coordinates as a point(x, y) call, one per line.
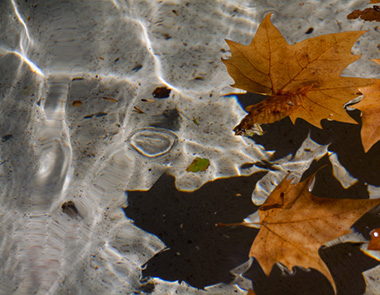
point(77, 79)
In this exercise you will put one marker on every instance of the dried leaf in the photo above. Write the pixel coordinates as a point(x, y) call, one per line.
point(295, 224)
point(370, 108)
point(161, 92)
point(302, 80)
point(374, 243)
point(368, 14)
point(199, 164)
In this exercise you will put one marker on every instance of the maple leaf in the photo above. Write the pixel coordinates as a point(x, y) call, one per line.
point(302, 80)
point(294, 224)
point(370, 108)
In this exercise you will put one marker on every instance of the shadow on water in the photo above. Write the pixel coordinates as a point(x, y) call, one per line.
point(344, 139)
point(202, 254)
point(199, 253)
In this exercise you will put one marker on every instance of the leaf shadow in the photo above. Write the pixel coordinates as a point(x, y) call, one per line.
point(299, 282)
point(345, 261)
point(343, 139)
point(199, 253)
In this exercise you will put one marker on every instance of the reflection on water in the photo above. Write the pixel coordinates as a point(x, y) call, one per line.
point(72, 75)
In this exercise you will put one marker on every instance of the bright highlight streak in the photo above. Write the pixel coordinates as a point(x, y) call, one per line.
point(116, 4)
point(31, 64)
point(21, 19)
point(157, 62)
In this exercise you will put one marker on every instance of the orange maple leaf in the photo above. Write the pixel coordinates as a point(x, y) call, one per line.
point(370, 108)
point(294, 224)
point(302, 80)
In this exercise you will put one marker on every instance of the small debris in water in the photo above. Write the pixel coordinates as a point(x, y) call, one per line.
point(138, 110)
point(199, 164)
point(110, 99)
point(161, 92)
point(6, 137)
point(77, 103)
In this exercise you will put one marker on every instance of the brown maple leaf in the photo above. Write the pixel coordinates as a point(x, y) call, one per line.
point(302, 80)
point(294, 224)
point(370, 108)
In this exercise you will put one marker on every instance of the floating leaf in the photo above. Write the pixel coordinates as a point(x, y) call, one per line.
point(370, 108)
point(199, 164)
point(301, 80)
point(295, 224)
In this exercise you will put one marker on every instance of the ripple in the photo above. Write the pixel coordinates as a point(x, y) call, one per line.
point(153, 142)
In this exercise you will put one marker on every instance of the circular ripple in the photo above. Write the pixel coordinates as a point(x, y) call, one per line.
point(153, 142)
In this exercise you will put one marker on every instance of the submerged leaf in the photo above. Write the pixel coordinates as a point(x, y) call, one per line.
point(199, 164)
point(301, 80)
point(295, 224)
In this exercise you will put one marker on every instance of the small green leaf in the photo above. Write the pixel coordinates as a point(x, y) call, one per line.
point(195, 121)
point(198, 164)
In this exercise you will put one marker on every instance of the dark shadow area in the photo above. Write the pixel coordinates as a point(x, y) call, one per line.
point(345, 261)
point(327, 186)
point(170, 119)
point(344, 139)
point(368, 222)
point(200, 253)
point(300, 282)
